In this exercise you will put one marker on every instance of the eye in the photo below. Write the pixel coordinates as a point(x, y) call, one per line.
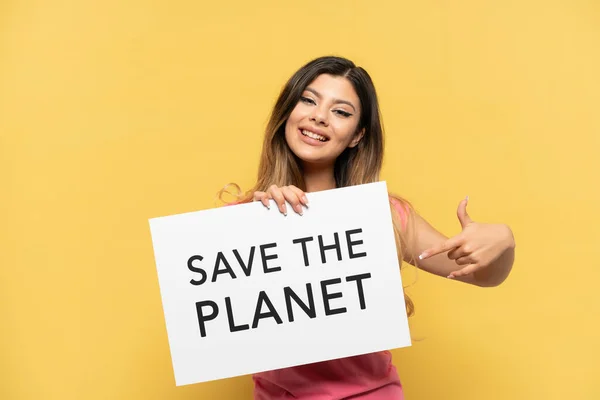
point(342, 113)
point(307, 100)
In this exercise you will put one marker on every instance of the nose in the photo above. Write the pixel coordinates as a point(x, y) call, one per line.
point(319, 116)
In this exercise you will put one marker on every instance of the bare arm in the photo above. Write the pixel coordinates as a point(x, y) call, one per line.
point(482, 254)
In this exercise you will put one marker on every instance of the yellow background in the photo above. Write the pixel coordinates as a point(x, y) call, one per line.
point(114, 112)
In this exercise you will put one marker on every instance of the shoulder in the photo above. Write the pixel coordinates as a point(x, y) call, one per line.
point(402, 208)
point(400, 205)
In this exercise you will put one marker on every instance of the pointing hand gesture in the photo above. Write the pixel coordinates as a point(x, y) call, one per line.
point(476, 247)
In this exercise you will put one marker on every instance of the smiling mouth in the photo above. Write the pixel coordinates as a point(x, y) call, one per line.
point(312, 135)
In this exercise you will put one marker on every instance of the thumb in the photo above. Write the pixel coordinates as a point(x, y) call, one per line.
point(462, 214)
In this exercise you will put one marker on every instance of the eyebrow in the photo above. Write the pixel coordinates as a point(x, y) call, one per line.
point(337, 101)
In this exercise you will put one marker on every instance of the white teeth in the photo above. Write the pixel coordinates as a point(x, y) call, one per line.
point(314, 135)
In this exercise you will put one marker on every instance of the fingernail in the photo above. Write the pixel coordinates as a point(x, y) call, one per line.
point(305, 200)
point(423, 255)
point(467, 198)
point(450, 276)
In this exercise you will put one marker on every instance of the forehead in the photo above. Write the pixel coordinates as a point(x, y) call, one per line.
point(335, 87)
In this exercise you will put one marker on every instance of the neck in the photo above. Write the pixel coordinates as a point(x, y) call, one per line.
point(317, 178)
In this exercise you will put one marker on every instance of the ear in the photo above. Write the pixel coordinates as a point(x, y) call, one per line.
point(357, 138)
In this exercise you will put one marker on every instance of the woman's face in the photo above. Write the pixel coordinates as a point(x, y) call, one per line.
point(324, 122)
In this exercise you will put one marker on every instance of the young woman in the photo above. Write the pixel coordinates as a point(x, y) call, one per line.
point(325, 132)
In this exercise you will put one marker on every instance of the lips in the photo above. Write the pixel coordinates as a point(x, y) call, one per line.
point(314, 135)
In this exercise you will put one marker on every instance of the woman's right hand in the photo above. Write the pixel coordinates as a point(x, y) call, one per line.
point(291, 194)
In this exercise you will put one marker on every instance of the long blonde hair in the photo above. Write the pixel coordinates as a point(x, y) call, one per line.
point(358, 165)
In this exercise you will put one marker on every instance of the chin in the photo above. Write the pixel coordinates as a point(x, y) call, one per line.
point(309, 157)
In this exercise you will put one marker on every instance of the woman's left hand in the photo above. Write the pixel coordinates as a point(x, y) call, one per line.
point(476, 247)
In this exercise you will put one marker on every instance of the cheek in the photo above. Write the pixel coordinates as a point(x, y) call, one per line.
point(288, 131)
point(298, 113)
point(346, 131)
point(292, 122)
point(289, 126)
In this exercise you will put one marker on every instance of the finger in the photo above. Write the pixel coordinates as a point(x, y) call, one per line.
point(277, 195)
point(263, 198)
point(265, 201)
point(448, 245)
point(469, 269)
point(292, 198)
point(462, 214)
point(464, 260)
point(300, 193)
point(457, 253)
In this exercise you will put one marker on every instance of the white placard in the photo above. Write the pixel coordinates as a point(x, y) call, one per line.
point(246, 289)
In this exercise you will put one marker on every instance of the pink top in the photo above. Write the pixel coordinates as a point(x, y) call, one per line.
point(365, 377)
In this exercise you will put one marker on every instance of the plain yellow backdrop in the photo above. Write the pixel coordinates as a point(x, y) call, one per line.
point(114, 112)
